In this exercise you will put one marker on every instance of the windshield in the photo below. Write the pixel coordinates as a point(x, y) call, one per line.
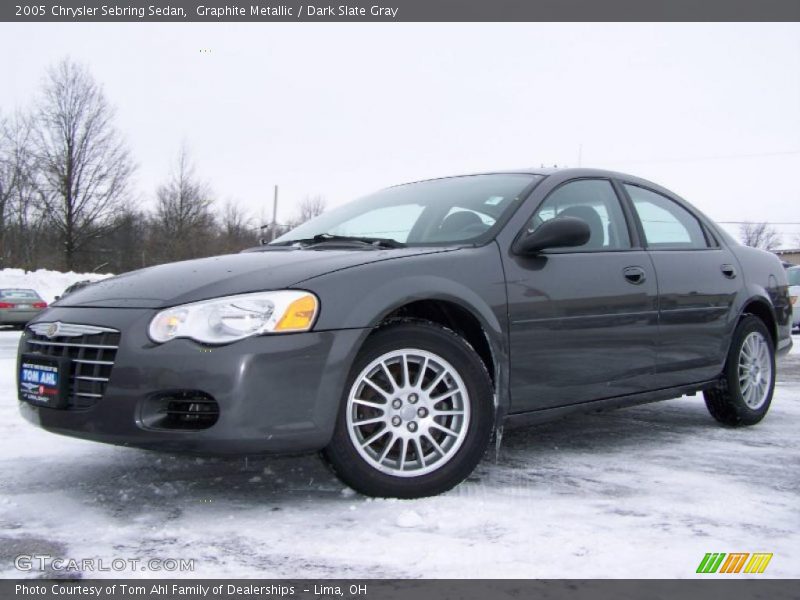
point(456, 209)
point(794, 276)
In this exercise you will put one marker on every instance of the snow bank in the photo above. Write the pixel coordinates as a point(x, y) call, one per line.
point(48, 284)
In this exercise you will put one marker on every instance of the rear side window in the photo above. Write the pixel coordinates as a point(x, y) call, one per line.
point(666, 224)
point(594, 201)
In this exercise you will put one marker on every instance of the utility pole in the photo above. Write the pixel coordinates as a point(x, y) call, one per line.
point(274, 228)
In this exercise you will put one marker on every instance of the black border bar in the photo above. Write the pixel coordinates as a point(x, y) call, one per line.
point(400, 10)
point(713, 587)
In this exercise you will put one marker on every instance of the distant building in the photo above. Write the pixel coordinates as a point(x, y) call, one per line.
point(789, 255)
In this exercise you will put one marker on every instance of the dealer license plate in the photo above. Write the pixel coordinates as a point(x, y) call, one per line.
point(42, 380)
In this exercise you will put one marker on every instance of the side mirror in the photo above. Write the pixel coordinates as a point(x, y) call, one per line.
point(560, 232)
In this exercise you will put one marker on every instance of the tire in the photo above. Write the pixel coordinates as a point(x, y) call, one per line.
point(410, 455)
point(740, 399)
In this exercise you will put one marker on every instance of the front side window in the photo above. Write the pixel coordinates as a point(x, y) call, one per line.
point(456, 209)
point(595, 202)
point(666, 224)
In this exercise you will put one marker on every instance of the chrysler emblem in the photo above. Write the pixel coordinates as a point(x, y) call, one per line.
point(59, 329)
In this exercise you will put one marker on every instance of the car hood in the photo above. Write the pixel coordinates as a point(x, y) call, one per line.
point(192, 280)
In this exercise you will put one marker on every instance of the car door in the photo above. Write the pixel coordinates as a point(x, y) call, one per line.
point(582, 320)
point(698, 279)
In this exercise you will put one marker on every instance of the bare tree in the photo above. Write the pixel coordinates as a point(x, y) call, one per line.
point(237, 230)
point(83, 162)
point(65, 175)
point(20, 214)
point(759, 235)
point(183, 212)
point(234, 220)
point(310, 207)
point(124, 247)
point(9, 179)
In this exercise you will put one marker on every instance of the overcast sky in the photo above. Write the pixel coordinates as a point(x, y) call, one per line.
point(709, 111)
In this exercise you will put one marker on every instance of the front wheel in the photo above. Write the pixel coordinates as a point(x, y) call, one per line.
point(745, 391)
point(416, 416)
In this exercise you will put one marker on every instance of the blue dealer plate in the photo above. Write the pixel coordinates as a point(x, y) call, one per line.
point(41, 380)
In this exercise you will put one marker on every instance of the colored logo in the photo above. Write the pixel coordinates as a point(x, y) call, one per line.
point(734, 562)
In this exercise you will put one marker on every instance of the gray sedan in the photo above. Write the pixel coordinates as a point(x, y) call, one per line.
point(18, 306)
point(400, 332)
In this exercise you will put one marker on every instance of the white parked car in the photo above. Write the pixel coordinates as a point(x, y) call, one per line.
point(793, 275)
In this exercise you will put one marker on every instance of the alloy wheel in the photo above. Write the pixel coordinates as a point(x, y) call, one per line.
point(755, 370)
point(408, 412)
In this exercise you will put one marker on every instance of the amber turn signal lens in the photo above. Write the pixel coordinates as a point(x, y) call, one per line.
point(299, 315)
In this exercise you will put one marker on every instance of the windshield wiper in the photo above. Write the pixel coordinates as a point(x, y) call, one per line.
point(326, 238)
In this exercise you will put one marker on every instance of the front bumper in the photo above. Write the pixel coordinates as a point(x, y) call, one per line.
point(276, 394)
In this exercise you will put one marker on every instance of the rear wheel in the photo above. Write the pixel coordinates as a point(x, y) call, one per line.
point(416, 416)
point(745, 391)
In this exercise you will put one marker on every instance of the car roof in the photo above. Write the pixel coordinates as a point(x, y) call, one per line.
point(561, 172)
point(566, 173)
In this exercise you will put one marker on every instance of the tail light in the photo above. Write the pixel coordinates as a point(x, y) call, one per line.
point(7, 305)
point(40, 305)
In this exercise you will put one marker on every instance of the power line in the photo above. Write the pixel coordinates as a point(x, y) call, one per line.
point(701, 158)
point(757, 222)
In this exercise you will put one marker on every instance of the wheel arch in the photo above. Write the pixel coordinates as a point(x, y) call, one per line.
point(761, 307)
point(451, 315)
point(462, 310)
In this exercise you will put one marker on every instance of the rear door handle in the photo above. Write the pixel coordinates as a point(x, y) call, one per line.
point(729, 271)
point(634, 275)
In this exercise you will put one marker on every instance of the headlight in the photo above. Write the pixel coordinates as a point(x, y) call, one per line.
point(224, 320)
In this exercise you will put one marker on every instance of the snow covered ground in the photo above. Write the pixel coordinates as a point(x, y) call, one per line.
point(48, 284)
point(641, 492)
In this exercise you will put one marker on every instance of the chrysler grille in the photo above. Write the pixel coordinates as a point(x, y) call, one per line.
point(91, 350)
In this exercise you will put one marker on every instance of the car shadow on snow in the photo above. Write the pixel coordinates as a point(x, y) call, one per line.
point(614, 430)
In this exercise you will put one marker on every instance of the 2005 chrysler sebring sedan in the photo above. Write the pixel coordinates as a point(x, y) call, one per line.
point(399, 332)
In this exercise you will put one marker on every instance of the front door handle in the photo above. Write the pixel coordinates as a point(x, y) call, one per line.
point(729, 271)
point(634, 275)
